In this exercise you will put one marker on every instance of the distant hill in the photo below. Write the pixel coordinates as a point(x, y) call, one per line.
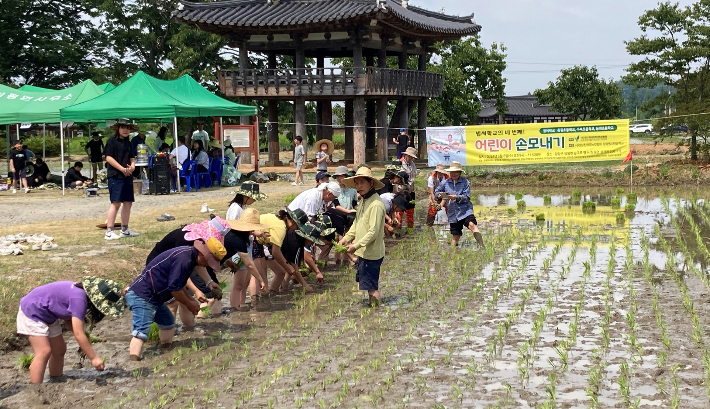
point(636, 97)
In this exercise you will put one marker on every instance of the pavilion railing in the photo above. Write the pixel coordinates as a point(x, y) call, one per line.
point(330, 82)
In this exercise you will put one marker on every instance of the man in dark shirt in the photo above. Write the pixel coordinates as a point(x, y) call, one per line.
point(120, 164)
point(18, 167)
point(162, 279)
point(402, 141)
point(95, 149)
point(42, 173)
point(74, 178)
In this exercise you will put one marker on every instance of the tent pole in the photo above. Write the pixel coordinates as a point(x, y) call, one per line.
point(177, 153)
point(7, 143)
point(44, 140)
point(61, 149)
point(17, 128)
point(221, 139)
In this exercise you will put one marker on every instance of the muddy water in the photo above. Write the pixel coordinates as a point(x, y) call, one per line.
point(574, 311)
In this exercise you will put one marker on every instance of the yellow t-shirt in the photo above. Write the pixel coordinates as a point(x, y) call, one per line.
point(277, 228)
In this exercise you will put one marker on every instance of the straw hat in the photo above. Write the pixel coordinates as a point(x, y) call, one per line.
point(411, 152)
point(213, 251)
point(341, 171)
point(455, 167)
point(248, 221)
point(251, 189)
point(310, 232)
point(328, 142)
point(440, 168)
point(106, 295)
point(126, 122)
point(227, 144)
point(363, 172)
point(298, 216)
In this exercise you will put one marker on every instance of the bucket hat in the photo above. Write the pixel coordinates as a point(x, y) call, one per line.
point(341, 171)
point(363, 172)
point(298, 216)
point(206, 229)
point(248, 221)
point(404, 176)
point(310, 232)
point(455, 167)
point(212, 250)
point(331, 146)
point(400, 201)
point(325, 225)
point(411, 152)
point(251, 189)
point(126, 122)
point(440, 168)
point(106, 295)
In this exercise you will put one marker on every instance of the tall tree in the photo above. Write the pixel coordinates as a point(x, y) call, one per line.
point(580, 92)
point(676, 48)
point(47, 43)
point(471, 72)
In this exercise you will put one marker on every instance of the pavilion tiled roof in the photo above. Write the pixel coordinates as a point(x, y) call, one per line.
point(525, 105)
point(264, 15)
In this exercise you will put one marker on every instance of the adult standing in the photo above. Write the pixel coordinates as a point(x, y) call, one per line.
point(177, 157)
point(120, 164)
point(367, 234)
point(460, 212)
point(200, 134)
point(95, 149)
point(312, 201)
point(18, 167)
point(402, 141)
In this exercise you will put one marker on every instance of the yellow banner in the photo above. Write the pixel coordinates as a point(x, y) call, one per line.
point(582, 141)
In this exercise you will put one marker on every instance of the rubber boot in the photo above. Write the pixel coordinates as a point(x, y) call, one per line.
point(479, 238)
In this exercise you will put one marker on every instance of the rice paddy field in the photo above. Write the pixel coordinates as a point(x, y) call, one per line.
point(591, 299)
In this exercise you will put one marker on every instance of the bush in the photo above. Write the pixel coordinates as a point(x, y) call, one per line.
point(541, 176)
point(52, 147)
point(607, 173)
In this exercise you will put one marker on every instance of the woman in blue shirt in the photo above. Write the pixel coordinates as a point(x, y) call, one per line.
point(460, 210)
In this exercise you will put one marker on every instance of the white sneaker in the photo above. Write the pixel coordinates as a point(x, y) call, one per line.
point(111, 235)
point(129, 233)
point(27, 190)
point(294, 184)
point(206, 209)
point(300, 183)
point(49, 246)
point(14, 190)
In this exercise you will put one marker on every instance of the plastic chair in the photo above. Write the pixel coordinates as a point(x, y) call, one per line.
point(189, 173)
point(202, 175)
point(236, 162)
point(216, 169)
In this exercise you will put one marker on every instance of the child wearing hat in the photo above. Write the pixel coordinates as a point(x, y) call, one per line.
point(460, 212)
point(247, 194)
point(401, 187)
point(366, 236)
point(75, 303)
point(162, 279)
point(311, 235)
point(433, 181)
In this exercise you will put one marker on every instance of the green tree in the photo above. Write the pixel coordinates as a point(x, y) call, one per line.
point(580, 92)
point(471, 73)
point(47, 43)
point(675, 45)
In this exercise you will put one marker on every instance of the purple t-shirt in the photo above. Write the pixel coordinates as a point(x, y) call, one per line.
point(60, 300)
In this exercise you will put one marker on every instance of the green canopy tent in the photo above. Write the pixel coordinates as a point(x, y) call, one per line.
point(18, 106)
point(32, 88)
point(143, 97)
point(106, 87)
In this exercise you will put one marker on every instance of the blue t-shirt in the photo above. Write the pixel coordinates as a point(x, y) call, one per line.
point(60, 300)
point(167, 272)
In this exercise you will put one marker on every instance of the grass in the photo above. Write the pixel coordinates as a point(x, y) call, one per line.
point(25, 360)
point(289, 198)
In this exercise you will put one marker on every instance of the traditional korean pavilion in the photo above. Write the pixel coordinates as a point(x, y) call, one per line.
point(367, 31)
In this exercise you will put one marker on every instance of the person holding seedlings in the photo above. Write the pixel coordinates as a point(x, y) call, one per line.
point(325, 149)
point(433, 181)
point(239, 244)
point(366, 236)
point(310, 234)
point(88, 301)
point(275, 247)
point(299, 157)
point(247, 194)
point(457, 191)
point(401, 187)
point(312, 201)
point(162, 279)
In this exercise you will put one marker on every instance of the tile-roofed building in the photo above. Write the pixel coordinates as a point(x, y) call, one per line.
point(521, 110)
point(366, 31)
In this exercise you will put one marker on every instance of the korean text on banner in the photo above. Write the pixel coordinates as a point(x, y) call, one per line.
point(547, 142)
point(446, 145)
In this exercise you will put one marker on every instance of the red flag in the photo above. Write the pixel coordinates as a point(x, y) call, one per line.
point(628, 157)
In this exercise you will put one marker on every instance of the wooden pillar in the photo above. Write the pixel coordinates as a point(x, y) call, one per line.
point(327, 120)
point(245, 156)
point(404, 112)
point(349, 130)
point(422, 110)
point(382, 122)
point(370, 132)
point(299, 104)
point(358, 104)
point(273, 126)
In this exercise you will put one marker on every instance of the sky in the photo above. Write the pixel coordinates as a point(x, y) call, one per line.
point(545, 36)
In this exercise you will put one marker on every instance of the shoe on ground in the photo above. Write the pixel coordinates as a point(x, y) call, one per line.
point(300, 183)
point(49, 246)
point(6, 251)
point(129, 233)
point(112, 235)
point(206, 209)
point(37, 246)
point(27, 190)
point(294, 184)
point(14, 191)
point(173, 190)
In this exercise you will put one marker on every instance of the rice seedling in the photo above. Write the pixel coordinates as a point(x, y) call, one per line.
point(25, 360)
point(615, 203)
point(518, 195)
point(620, 218)
point(631, 198)
point(154, 333)
point(511, 212)
point(619, 191)
point(630, 208)
point(576, 194)
point(547, 199)
point(521, 204)
point(540, 217)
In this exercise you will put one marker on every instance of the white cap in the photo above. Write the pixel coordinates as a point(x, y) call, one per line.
point(333, 187)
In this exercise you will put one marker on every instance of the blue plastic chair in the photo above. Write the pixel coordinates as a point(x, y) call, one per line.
point(189, 173)
point(236, 162)
point(204, 179)
point(216, 169)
